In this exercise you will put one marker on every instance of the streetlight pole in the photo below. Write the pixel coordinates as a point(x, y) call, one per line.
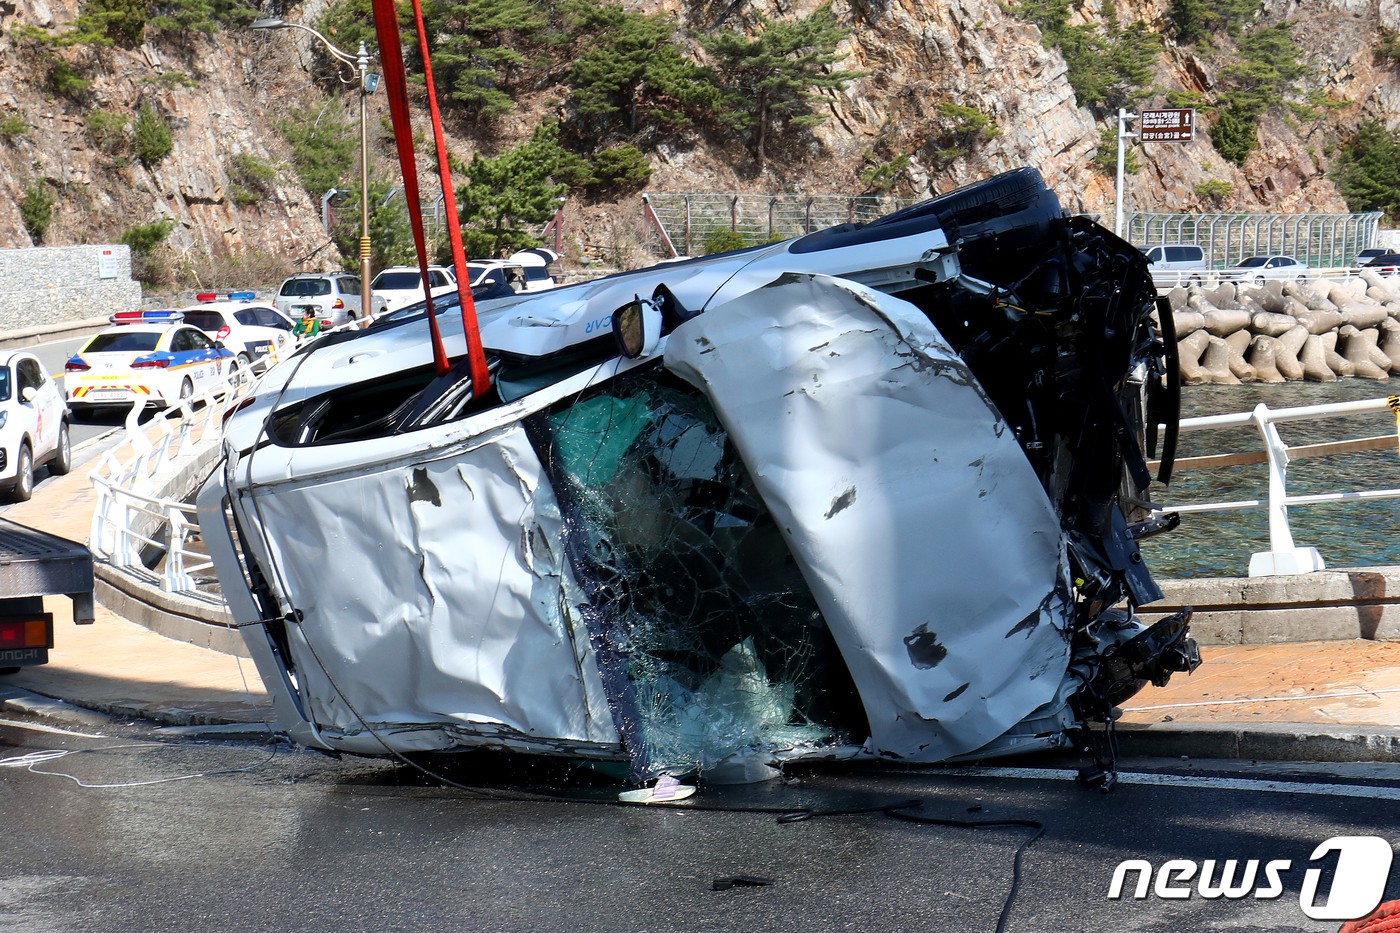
point(367, 83)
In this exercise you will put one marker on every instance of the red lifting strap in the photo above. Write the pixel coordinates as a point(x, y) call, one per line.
point(386, 27)
point(475, 354)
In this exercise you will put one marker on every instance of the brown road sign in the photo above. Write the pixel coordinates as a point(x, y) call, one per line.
point(1159, 126)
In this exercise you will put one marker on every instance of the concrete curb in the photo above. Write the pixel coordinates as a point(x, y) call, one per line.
point(96, 714)
point(1262, 741)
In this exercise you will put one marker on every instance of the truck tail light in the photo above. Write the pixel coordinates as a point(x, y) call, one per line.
point(26, 633)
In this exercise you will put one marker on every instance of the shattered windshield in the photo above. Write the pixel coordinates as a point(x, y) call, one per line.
point(712, 627)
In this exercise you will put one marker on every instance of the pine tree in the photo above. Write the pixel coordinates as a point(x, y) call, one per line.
point(631, 69)
point(508, 193)
point(772, 81)
point(1368, 170)
point(480, 49)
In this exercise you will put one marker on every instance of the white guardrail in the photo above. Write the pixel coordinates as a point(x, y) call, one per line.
point(1284, 556)
point(134, 526)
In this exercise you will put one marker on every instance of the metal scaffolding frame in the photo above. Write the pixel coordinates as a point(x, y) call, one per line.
point(1320, 240)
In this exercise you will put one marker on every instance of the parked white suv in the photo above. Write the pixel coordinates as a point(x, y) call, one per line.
point(334, 295)
point(403, 285)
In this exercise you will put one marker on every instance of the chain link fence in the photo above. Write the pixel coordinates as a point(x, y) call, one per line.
point(1320, 240)
point(682, 224)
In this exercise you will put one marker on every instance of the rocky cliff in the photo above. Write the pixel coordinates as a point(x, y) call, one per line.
point(222, 93)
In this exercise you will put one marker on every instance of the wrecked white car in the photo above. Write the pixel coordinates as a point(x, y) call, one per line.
point(868, 492)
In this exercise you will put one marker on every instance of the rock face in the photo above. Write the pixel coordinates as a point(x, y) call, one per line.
point(223, 95)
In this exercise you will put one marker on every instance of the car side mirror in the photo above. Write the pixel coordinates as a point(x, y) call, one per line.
point(637, 328)
point(28, 393)
point(219, 345)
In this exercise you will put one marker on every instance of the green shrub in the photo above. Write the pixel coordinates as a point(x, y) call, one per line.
point(152, 136)
point(1213, 189)
point(620, 168)
point(36, 209)
point(250, 179)
point(881, 178)
point(722, 241)
point(65, 81)
point(1106, 157)
point(323, 147)
point(108, 130)
point(13, 126)
point(143, 240)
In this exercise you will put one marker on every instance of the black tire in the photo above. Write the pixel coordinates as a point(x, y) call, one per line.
point(79, 415)
point(23, 488)
point(9, 670)
point(62, 462)
point(1259, 281)
point(186, 390)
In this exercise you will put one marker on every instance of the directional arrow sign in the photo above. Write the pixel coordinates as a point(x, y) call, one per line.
point(1160, 126)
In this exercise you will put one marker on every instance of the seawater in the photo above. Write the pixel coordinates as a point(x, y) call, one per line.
point(1347, 534)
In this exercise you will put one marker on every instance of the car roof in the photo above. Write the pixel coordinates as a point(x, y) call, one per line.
point(229, 306)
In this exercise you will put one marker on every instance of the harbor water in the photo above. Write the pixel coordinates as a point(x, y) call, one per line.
point(1347, 534)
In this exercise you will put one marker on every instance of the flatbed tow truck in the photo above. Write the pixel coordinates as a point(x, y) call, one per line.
point(35, 564)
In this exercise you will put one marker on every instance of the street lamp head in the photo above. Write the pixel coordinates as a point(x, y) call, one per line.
point(371, 82)
point(268, 22)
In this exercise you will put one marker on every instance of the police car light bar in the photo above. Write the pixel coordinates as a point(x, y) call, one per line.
point(147, 317)
point(231, 296)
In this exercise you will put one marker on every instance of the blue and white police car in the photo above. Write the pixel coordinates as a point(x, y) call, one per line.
point(146, 356)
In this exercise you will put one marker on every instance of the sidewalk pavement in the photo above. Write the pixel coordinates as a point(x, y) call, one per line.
point(1327, 701)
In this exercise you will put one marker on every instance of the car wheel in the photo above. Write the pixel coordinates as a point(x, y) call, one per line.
point(9, 670)
point(62, 461)
point(23, 488)
point(186, 390)
point(1302, 280)
point(241, 361)
point(1258, 280)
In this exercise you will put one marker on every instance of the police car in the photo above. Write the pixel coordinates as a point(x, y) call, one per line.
point(146, 356)
point(256, 332)
point(33, 425)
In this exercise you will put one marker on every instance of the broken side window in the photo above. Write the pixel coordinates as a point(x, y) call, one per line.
point(709, 639)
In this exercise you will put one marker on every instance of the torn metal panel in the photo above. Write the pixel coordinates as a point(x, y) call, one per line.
point(434, 594)
point(897, 485)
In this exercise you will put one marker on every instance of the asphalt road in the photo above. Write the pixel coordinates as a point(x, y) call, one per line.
point(127, 828)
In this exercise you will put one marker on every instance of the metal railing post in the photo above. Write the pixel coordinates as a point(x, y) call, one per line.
point(1283, 556)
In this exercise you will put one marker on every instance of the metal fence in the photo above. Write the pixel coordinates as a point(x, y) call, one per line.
point(680, 224)
point(1320, 240)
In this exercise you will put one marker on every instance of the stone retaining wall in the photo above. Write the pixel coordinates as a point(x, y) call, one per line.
point(44, 286)
point(1319, 330)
